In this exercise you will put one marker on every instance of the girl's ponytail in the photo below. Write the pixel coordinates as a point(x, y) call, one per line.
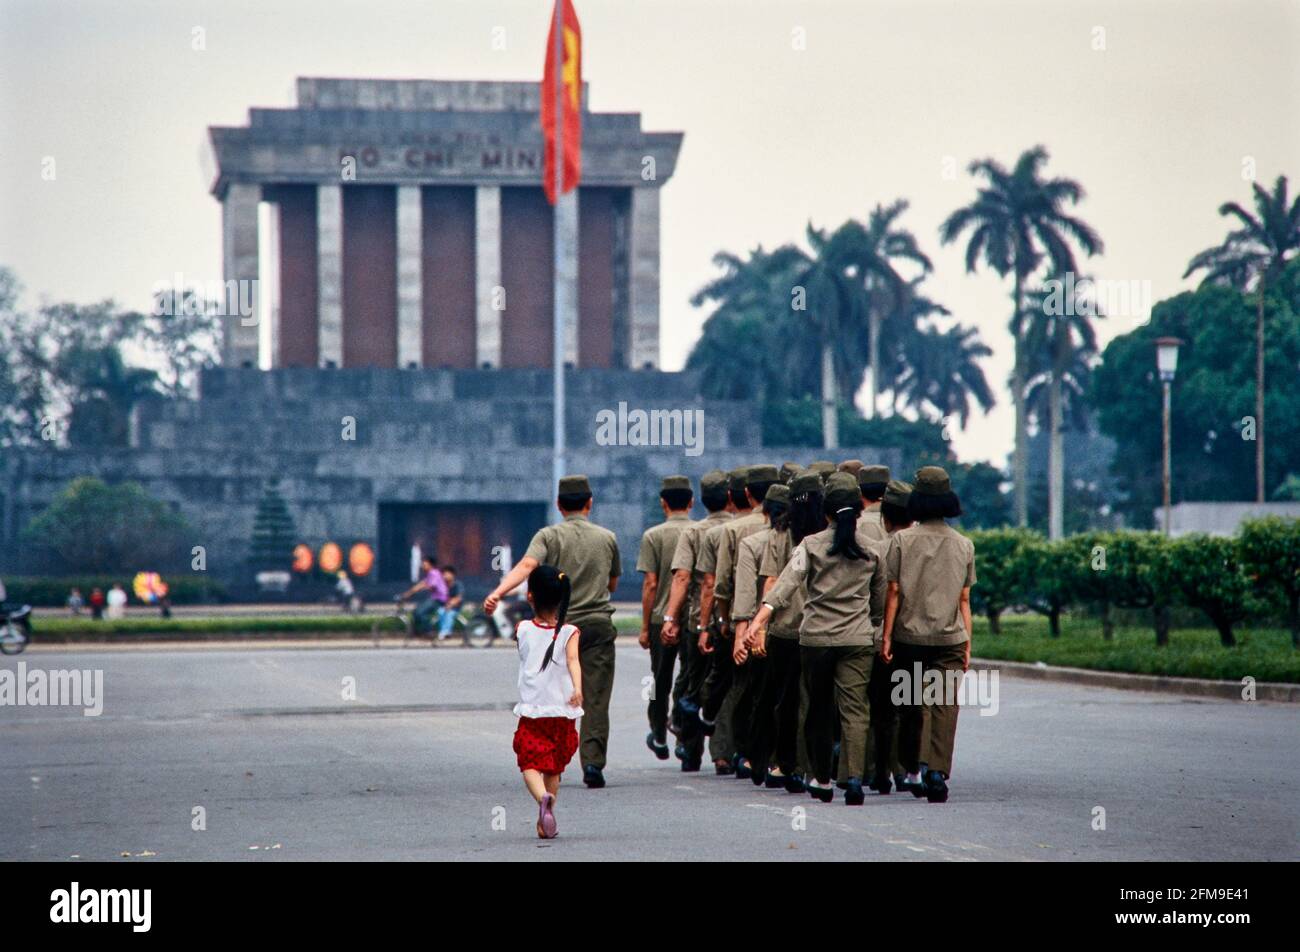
point(845, 541)
point(561, 591)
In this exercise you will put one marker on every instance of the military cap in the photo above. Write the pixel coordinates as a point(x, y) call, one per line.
point(675, 482)
point(822, 467)
point(873, 474)
point(777, 492)
point(789, 471)
point(762, 474)
point(805, 482)
point(574, 486)
point(897, 492)
point(736, 478)
point(841, 491)
point(851, 466)
point(715, 480)
point(932, 481)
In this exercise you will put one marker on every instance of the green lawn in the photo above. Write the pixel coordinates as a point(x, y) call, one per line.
point(1264, 654)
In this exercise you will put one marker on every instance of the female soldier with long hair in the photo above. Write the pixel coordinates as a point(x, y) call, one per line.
point(844, 589)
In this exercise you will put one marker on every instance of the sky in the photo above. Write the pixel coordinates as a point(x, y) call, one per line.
point(794, 111)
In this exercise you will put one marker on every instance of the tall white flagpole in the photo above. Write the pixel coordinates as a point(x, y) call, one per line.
point(561, 252)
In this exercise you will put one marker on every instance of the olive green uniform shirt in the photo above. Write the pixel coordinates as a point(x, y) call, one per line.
point(588, 554)
point(776, 556)
point(690, 545)
point(844, 598)
point(658, 546)
point(931, 562)
point(748, 583)
point(870, 520)
point(728, 546)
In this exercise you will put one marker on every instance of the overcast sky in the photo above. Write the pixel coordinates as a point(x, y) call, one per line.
point(1155, 107)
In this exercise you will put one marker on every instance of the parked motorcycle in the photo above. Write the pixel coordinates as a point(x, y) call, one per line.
point(15, 628)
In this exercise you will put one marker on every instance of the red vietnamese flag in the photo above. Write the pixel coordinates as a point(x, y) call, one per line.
point(570, 104)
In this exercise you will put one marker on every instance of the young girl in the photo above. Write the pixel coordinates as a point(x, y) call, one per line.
point(550, 692)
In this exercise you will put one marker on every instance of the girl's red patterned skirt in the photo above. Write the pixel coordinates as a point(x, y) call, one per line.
point(546, 744)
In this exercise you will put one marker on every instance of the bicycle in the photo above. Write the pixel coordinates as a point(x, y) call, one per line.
point(475, 628)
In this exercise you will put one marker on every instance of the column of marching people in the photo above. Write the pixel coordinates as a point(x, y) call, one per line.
point(784, 631)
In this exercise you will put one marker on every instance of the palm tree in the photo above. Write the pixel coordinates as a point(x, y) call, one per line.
point(870, 250)
point(837, 307)
point(1016, 221)
point(1060, 343)
point(1254, 253)
point(944, 372)
point(898, 333)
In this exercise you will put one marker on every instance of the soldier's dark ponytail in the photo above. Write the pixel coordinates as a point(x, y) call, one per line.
point(550, 589)
point(845, 541)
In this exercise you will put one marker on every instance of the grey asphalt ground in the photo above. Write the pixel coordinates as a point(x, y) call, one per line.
point(419, 766)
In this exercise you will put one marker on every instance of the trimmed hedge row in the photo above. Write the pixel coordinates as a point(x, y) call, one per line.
point(1254, 575)
point(44, 592)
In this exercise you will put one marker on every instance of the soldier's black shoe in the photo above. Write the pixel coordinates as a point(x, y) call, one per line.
point(825, 794)
point(592, 777)
point(776, 781)
point(658, 749)
point(881, 785)
point(724, 768)
point(853, 794)
point(757, 774)
point(706, 727)
point(936, 787)
point(794, 783)
point(690, 764)
point(743, 770)
point(679, 751)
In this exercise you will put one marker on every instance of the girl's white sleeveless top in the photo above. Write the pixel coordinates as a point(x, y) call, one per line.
point(544, 693)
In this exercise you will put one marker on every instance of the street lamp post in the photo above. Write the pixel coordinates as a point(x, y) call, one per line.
point(1167, 366)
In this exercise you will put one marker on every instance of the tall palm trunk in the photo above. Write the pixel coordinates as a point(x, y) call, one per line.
point(1056, 441)
point(1259, 392)
point(873, 351)
point(1019, 470)
point(830, 425)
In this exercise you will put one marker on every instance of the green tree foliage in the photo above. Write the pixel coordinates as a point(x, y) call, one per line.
point(273, 532)
point(83, 368)
point(1017, 221)
point(93, 527)
point(1208, 574)
point(1048, 578)
point(1212, 394)
point(1000, 577)
point(1270, 557)
point(1255, 253)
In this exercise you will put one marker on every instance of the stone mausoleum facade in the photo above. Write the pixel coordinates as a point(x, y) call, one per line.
point(408, 399)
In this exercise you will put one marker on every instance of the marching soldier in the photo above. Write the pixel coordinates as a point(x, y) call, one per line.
point(685, 597)
point(882, 741)
point(931, 569)
point(754, 742)
point(588, 554)
point(844, 589)
point(872, 480)
point(757, 479)
point(658, 546)
point(715, 638)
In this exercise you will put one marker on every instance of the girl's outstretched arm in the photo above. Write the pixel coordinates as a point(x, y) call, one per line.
point(575, 668)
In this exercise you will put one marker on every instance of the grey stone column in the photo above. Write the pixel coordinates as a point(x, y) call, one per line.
point(329, 271)
point(643, 279)
point(487, 274)
point(566, 272)
point(410, 296)
point(239, 250)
